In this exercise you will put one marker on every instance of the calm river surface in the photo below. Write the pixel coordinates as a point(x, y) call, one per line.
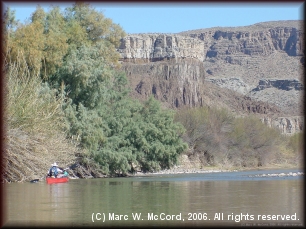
point(193, 200)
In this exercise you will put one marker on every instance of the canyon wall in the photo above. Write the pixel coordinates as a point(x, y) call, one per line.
point(250, 69)
point(176, 82)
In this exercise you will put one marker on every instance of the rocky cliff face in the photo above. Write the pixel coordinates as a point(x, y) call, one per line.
point(252, 53)
point(175, 82)
point(256, 68)
point(258, 39)
point(287, 125)
point(155, 47)
point(286, 85)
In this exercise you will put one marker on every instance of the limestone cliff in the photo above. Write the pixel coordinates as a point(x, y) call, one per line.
point(154, 47)
point(258, 39)
point(257, 68)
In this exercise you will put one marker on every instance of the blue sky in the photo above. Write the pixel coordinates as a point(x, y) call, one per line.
point(177, 17)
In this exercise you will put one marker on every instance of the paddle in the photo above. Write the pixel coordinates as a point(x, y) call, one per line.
point(34, 181)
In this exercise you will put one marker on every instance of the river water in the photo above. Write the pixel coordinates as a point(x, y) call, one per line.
point(203, 199)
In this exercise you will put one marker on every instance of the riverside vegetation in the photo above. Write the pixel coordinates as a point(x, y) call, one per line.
point(67, 100)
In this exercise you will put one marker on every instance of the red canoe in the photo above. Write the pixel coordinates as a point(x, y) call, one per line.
point(51, 180)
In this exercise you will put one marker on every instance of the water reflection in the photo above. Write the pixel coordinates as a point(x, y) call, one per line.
point(74, 203)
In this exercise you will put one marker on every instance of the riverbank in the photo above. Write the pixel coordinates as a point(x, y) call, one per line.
point(182, 170)
point(195, 165)
point(179, 170)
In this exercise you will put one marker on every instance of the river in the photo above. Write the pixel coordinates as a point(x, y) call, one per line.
point(203, 199)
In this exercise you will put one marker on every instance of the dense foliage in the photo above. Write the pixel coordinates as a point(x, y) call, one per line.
point(74, 54)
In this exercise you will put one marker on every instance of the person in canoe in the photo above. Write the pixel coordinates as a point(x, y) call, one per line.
point(54, 171)
point(65, 173)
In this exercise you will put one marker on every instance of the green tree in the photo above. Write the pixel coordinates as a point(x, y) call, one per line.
point(121, 133)
point(56, 46)
point(144, 134)
point(28, 42)
point(88, 26)
point(85, 72)
point(95, 24)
